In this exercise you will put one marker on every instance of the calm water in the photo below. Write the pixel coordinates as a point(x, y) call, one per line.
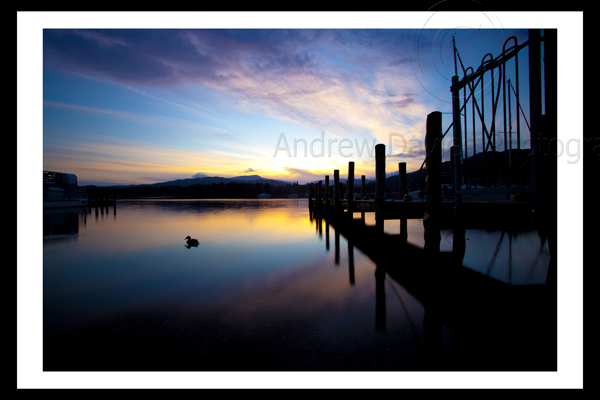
point(268, 288)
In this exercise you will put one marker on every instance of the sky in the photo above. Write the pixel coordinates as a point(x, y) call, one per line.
point(152, 102)
point(130, 106)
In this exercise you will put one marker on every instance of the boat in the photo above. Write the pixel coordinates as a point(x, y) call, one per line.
point(61, 190)
point(264, 196)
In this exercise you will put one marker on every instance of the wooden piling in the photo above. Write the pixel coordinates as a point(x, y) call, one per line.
point(379, 186)
point(433, 148)
point(319, 195)
point(362, 187)
point(326, 193)
point(402, 176)
point(433, 180)
point(336, 192)
point(362, 197)
point(350, 191)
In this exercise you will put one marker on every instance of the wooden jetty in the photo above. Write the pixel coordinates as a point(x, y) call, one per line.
point(458, 297)
point(101, 204)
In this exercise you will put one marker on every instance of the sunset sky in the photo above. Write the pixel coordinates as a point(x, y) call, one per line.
point(135, 105)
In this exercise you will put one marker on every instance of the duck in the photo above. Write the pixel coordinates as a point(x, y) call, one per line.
point(192, 242)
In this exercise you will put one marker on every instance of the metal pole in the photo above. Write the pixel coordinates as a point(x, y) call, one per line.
point(456, 155)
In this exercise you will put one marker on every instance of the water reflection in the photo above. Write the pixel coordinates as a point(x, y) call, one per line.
point(262, 291)
point(495, 321)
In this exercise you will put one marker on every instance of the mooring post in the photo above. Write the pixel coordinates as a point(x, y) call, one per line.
point(362, 187)
point(402, 176)
point(336, 192)
point(401, 189)
point(379, 186)
point(350, 191)
point(431, 248)
point(326, 193)
point(319, 195)
point(433, 180)
point(362, 197)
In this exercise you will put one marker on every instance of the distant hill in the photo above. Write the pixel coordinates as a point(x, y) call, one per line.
point(209, 180)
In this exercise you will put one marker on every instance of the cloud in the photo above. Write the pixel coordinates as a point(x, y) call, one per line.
point(303, 175)
point(322, 79)
point(248, 171)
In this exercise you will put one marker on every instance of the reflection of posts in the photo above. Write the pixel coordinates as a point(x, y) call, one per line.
point(458, 245)
point(403, 230)
point(326, 235)
point(320, 225)
point(351, 261)
point(337, 247)
point(380, 317)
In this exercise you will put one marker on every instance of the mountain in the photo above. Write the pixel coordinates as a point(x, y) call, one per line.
point(209, 180)
point(247, 178)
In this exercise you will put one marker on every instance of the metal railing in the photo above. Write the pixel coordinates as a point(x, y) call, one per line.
point(485, 166)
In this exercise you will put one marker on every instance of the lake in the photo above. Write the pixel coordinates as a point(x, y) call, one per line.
point(270, 287)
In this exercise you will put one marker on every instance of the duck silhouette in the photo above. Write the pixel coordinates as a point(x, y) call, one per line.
point(191, 242)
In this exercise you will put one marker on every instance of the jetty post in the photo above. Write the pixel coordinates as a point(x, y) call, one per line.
point(402, 176)
point(379, 186)
point(433, 180)
point(362, 187)
point(319, 195)
point(326, 193)
point(362, 197)
point(336, 192)
point(402, 187)
point(350, 191)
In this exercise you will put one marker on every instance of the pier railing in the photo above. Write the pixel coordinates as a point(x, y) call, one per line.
point(497, 121)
